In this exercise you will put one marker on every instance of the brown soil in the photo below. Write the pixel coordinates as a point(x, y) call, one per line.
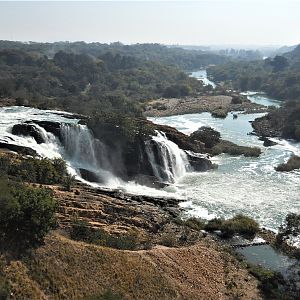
point(65, 269)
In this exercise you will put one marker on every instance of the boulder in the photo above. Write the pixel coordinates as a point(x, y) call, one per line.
point(53, 127)
point(90, 176)
point(267, 142)
point(150, 181)
point(199, 162)
point(19, 149)
point(29, 130)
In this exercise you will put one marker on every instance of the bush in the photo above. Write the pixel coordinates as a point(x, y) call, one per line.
point(168, 239)
point(194, 223)
point(81, 231)
point(290, 228)
point(214, 224)
point(68, 182)
point(26, 216)
point(270, 282)
point(220, 113)
point(239, 224)
point(206, 135)
point(236, 99)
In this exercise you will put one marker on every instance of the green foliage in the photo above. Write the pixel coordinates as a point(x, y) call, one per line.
point(169, 239)
point(220, 113)
point(271, 283)
point(82, 231)
point(290, 228)
point(43, 171)
point(4, 287)
point(292, 164)
point(68, 182)
point(214, 224)
point(86, 78)
point(194, 223)
point(238, 224)
point(26, 216)
point(206, 135)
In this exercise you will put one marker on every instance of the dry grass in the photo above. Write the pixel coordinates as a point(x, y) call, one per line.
point(65, 269)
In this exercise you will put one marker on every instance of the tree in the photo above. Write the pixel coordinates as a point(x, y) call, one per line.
point(290, 228)
point(207, 135)
point(26, 216)
point(279, 63)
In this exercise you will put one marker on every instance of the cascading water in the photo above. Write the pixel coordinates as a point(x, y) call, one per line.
point(85, 153)
point(168, 161)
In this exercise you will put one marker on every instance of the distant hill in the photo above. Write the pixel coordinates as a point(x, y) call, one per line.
point(294, 55)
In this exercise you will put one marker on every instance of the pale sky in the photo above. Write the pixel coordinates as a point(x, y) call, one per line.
point(202, 22)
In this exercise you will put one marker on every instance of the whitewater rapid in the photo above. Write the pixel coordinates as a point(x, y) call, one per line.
point(240, 185)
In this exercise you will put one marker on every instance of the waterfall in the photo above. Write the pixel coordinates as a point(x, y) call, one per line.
point(167, 160)
point(85, 153)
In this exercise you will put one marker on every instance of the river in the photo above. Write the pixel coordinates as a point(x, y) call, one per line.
point(240, 185)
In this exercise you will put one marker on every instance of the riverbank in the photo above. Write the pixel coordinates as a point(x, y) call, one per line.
point(178, 106)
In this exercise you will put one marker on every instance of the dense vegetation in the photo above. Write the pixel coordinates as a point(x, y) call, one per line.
point(278, 77)
point(84, 78)
point(191, 59)
point(26, 216)
point(35, 170)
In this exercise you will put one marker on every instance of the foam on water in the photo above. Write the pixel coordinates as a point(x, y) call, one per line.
point(240, 185)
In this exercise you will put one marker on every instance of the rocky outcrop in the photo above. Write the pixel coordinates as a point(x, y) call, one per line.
point(267, 142)
point(50, 126)
point(200, 162)
point(19, 149)
point(28, 130)
point(90, 176)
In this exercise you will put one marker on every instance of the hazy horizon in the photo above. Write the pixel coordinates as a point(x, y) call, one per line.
point(212, 23)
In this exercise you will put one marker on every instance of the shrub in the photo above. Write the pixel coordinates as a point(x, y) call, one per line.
point(168, 239)
point(207, 135)
point(81, 231)
point(271, 283)
point(219, 113)
point(194, 223)
point(214, 224)
point(290, 228)
point(26, 216)
point(236, 99)
point(68, 182)
point(239, 224)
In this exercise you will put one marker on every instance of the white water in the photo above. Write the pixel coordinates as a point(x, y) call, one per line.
point(240, 185)
point(202, 76)
point(173, 162)
point(81, 150)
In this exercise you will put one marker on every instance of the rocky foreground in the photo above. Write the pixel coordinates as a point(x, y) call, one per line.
point(195, 268)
